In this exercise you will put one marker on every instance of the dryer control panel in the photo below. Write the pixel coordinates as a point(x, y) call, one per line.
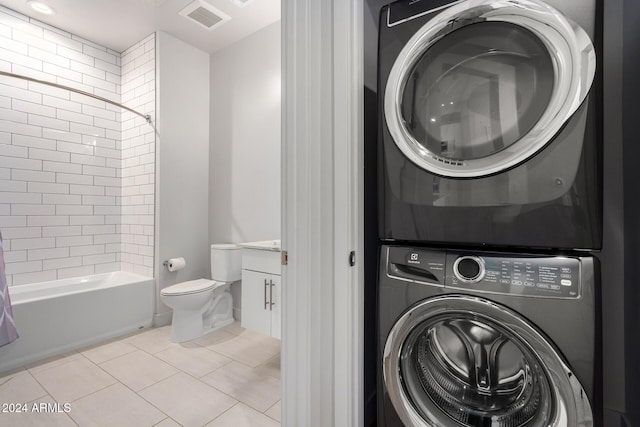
point(527, 275)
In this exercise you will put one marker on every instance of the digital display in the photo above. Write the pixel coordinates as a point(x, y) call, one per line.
point(553, 276)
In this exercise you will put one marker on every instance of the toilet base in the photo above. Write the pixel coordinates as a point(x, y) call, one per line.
point(186, 328)
point(218, 325)
point(189, 328)
point(189, 325)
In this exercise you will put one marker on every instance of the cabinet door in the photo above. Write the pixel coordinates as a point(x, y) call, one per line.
point(255, 299)
point(276, 306)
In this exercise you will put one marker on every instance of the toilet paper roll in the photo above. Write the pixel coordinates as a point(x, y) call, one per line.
point(175, 264)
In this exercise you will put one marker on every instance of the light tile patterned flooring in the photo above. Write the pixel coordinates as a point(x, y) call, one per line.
point(230, 377)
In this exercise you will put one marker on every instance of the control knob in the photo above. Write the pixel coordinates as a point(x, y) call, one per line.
point(469, 269)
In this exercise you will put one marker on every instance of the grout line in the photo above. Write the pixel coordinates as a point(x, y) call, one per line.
point(179, 371)
point(51, 397)
point(221, 414)
point(12, 377)
point(154, 384)
point(137, 393)
point(269, 408)
point(88, 360)
point(51, 360)
point(165, 419)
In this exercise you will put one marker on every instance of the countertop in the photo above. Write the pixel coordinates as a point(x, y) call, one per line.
point(265, 245)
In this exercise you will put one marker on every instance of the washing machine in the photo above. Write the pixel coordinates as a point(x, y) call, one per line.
point(488, 123)
point(485, 339)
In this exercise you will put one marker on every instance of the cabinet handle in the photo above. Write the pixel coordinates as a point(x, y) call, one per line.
point(271, 285)
point(265, 294)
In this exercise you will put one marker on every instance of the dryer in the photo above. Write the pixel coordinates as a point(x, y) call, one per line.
point(479, 339)
point(488, 128)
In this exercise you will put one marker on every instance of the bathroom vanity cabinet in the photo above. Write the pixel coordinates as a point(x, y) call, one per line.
point(261, 288)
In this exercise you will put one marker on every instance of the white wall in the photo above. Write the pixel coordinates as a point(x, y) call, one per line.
point(245, 139)
point(182, 184)
point(61, 154)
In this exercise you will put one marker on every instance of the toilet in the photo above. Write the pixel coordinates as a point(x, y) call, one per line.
point(204, 305)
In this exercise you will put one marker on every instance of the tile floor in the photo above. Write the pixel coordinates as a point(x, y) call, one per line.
point(230, 377)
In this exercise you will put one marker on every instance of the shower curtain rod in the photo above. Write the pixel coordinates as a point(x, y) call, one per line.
point(147, 117)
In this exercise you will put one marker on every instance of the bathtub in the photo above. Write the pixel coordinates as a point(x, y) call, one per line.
point(63, 315)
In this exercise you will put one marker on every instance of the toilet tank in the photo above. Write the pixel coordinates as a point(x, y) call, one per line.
point(226, 262)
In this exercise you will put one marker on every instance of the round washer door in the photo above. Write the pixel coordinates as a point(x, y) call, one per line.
point(485, 85)
point(458, 360)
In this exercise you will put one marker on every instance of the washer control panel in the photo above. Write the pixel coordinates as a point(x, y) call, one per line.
point(469, 269)
point(526, 275)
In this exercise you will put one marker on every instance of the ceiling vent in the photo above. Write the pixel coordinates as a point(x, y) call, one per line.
point(205, 15)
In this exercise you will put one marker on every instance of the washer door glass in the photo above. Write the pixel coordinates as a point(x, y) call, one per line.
point(476, 372)
point(484, 85)
point(465, 361)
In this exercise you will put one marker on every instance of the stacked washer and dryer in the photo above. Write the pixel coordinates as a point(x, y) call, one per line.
point(490, 209)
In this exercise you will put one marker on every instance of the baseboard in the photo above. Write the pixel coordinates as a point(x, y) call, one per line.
point(162, 319)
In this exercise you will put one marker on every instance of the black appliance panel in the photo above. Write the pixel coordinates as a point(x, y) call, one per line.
point(567, 321)
point(552, 200)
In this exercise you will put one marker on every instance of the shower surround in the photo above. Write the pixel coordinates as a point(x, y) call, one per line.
point(76, 174)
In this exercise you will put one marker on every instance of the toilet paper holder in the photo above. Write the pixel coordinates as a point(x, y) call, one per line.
point(174, 264)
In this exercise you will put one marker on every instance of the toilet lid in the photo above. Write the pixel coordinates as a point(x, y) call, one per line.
point(192, 287)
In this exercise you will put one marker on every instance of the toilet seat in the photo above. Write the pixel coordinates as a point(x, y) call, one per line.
point(192, 287)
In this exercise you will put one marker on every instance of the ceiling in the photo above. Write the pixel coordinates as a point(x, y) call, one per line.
point(119, 24)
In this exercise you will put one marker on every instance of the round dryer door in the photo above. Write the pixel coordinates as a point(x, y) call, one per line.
point(486, 84)
point(465, 361)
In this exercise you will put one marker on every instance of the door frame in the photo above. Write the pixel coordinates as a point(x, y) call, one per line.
point(322, 197)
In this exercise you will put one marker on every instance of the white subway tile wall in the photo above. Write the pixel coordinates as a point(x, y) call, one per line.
point(76, 174)
point(136, 221)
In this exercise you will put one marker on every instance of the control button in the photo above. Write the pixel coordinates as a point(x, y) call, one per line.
point(529, 284)
point(565, 276)
point(469, 269)
point(542, 286)
point(565, 282)
point(516, 282)
point(555, 287)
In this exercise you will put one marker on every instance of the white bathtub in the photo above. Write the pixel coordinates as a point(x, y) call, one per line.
point(63, 315)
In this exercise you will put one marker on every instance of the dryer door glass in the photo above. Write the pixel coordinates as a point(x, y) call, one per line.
point(478, 90)
point(484, 85)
